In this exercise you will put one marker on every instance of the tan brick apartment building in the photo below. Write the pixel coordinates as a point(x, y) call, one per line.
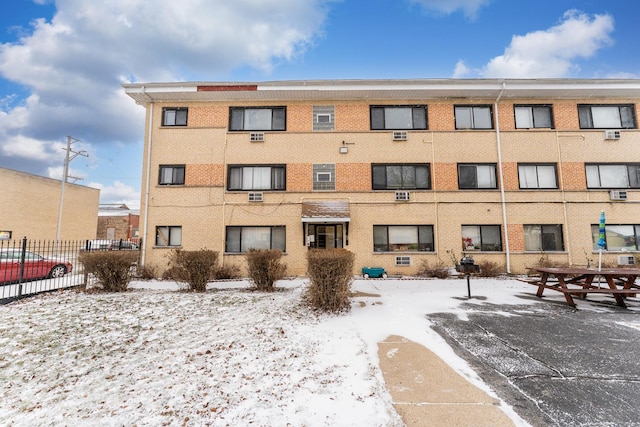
point(396, 171)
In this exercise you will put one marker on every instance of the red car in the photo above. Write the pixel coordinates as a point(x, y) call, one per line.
point(35, 266)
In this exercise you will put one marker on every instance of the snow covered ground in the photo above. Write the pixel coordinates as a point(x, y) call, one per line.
point(156, 356)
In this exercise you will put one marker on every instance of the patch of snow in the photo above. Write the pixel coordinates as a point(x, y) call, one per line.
point(230, 356)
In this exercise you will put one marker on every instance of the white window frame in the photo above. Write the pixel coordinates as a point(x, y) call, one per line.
point(321, 171)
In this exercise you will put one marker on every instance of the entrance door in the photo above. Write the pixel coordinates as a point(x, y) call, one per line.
point(323, 236)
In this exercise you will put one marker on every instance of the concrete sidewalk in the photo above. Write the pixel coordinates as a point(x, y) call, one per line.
point(427, 392)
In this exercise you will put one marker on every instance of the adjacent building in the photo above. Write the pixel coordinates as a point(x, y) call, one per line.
point(399, 172)
point(31, 208)
point(117, 222)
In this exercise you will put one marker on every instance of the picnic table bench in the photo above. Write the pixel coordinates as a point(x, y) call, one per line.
point(580, 281)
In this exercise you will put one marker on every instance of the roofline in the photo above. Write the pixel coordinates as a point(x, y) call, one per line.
point(383, 89)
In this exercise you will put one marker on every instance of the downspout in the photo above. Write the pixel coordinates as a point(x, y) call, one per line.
point(501, 175)
point(146, 191)
point(223, 241)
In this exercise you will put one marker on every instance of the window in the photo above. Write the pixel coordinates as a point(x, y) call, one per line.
point(257, 118)
point(617, 237)
point(171, 175)
point(537, 176)
point(533, 116)
point(324, 176)
point(394, 177)
point(473, 117)
point(392, 238)
point(399, 117)
point(323, 118)
point(543, 238)
point(606, 117)
point(241, 239)
point(402, 261)
point(256, 178)
point(477, 176)
point(613, 176)
point(169, 236)
point(174, 116)
point(481, 238)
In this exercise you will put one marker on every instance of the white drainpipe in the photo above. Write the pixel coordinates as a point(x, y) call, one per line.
point(501, 175)
point(146, 191)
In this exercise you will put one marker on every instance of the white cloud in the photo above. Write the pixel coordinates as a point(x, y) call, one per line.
point(623, 75)
point(461, 70)
point(118, 193)
point(469, 7)
point(553, 52)
point(73, 65)
point(28, 148)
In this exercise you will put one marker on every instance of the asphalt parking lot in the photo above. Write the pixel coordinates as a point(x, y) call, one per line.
point(556, 366)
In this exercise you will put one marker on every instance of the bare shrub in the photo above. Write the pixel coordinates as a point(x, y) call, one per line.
point(113, 270)
point(265, 267)
point(195, 268)
point(146, 272)
point(173, 273)
point(490, 269)
point(438, 270)
point(228, 271)
point(545, 262)
point(331, 274)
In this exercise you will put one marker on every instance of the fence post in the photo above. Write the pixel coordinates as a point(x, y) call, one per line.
point(23, 254)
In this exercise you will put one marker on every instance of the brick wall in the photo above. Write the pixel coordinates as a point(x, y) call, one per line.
point(203, 208)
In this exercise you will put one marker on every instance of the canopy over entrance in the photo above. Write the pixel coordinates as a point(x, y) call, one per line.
point(325, 211)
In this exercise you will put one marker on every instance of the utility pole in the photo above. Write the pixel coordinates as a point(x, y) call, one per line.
point(65, 175)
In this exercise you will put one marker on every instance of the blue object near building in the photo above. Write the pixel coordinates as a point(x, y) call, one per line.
point(373, 272)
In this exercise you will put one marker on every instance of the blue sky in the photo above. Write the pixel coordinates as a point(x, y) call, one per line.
point(62, 62)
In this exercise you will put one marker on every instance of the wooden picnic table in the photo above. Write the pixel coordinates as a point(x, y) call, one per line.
point(580, 281)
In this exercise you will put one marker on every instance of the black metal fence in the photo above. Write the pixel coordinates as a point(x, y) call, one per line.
point(28, 267)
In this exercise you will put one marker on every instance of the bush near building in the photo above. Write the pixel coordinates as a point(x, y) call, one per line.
point(265, 268)
point(331, 274)
point(113, 270)
point(196, 268)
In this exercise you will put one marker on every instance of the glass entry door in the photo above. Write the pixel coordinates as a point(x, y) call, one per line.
point(324, 236)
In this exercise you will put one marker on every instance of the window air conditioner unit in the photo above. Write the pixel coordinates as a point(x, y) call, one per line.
point(256, 137)
point(626, 260)
point(256, 197)
point(617, 195)
point(402, 196)
point(403, 260)
point(400, 135)
point(611, 134)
